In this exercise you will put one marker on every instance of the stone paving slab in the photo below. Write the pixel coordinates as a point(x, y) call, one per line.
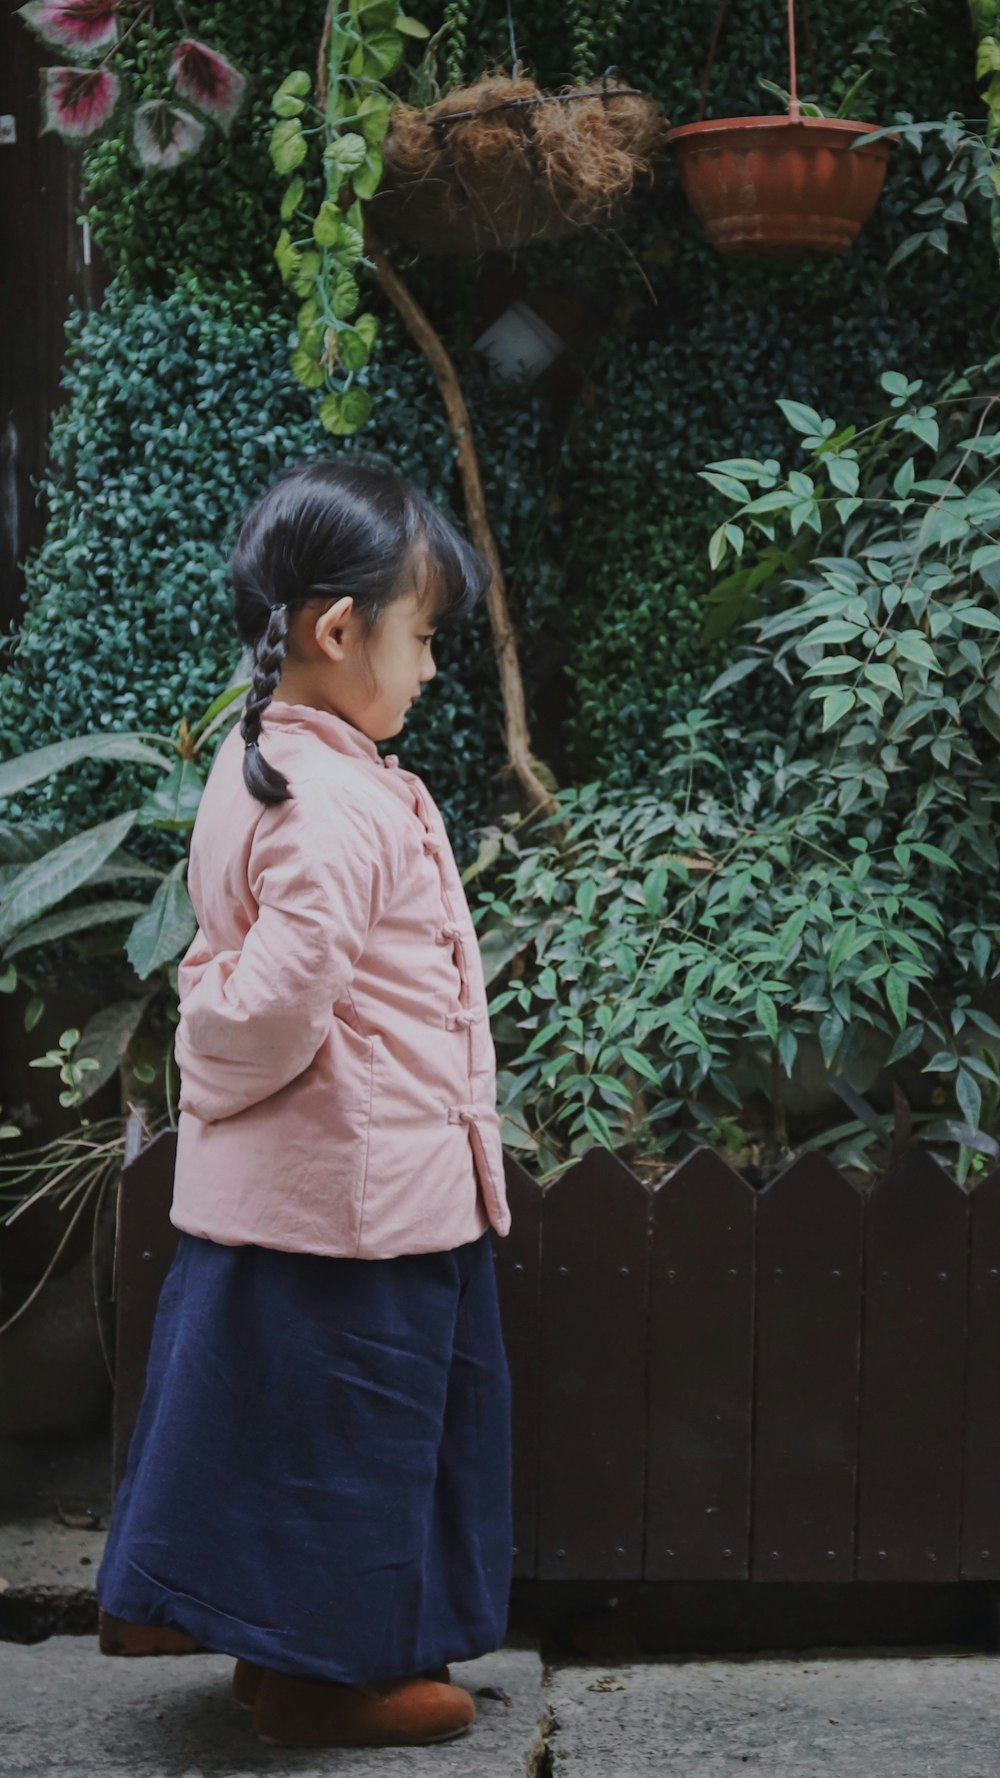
point(66, 1711)
point(38, 1552)
point(864, 1715)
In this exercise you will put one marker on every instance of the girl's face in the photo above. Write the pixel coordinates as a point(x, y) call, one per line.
point(371, 678)
point(391, 669)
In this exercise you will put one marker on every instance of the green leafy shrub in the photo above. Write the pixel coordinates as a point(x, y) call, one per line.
point(664, 951)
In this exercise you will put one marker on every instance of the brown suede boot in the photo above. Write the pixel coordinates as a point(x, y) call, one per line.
point(246, 1683)
point(388, 1713)
point(116, 1637)
point(247, 1676)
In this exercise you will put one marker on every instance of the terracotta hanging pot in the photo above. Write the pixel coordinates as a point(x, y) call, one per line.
point(775, 186)
point(780, 185)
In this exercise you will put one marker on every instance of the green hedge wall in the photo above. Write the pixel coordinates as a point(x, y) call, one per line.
point(180, 404)
point(697, 348)
point(179, 411)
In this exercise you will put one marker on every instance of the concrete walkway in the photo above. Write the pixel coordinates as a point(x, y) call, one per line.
point(826, 1716)
point(66, 1711)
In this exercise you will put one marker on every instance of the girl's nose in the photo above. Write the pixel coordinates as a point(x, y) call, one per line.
point(428, 668)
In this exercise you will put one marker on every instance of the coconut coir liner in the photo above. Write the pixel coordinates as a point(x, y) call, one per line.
point(507, 174)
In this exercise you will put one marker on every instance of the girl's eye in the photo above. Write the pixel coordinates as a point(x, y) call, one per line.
point(426, 638)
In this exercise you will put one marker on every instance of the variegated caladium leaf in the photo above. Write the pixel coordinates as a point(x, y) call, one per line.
point(78, 102)
point(207, 80)
point(164, 134)
point(78, 27)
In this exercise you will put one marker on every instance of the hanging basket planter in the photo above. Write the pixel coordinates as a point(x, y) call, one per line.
point(776, 186)
point(500, 164)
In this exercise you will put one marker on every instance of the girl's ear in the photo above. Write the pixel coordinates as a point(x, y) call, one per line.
point(330, 626)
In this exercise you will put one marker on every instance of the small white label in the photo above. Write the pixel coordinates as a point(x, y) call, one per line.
point(8, 130)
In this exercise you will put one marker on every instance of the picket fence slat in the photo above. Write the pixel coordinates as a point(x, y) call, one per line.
point(809, 1226)
point(700, 1377)
point(981, 1495)
point(912, 1375)
point(595, 1253)
point(518, 1270)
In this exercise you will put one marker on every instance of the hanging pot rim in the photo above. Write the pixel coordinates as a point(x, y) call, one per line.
point(782, 123)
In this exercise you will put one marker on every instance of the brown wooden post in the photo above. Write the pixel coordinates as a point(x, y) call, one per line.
point(805, 1452)
point(144, 1247)
point(518, 1267)
point(913, 1375)
point(981, 1489)
point(47, 258)
point(701, 1374)
point(592, 1434)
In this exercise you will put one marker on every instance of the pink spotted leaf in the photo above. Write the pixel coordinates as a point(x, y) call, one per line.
point(207, 80)
point(78, 102)
point(165, 134)
point(78, 27)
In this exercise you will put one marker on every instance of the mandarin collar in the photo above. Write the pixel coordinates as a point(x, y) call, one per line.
point(335, 730)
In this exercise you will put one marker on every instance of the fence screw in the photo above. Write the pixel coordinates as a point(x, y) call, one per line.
point(881, 1555)
point(518, 1267)
point(830, 1555)
point(779, 1271)
point(620, 1551)
point(147, 1256)
point(774, 1555)
point(984, 1555)
point(732, 1272)
point(668, 1552)
point(727, 1552)
point(671, 1276)
point(835, 1273)
point(563, 1271)
point(560, 1553)
point(942, 1275)
point(994, 1271)
point(623, 1271)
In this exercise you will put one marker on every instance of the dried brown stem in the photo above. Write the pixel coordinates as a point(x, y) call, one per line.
point(425, 335)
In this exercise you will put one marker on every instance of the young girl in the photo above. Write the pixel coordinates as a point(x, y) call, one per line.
point(319, 1478)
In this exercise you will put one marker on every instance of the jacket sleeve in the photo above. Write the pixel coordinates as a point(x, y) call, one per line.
point(251, 1020)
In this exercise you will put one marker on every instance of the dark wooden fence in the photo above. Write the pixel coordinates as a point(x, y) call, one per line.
point(713, 1383)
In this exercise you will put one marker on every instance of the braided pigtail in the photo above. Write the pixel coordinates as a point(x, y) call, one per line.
point(263, 781)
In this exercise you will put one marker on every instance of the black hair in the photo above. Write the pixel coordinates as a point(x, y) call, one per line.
point(325, 528)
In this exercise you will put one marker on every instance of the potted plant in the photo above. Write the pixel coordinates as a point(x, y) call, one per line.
point(776, 186)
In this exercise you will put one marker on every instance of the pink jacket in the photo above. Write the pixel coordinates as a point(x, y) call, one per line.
point(338, 1088)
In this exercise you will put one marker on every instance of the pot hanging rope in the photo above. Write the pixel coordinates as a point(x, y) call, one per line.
point(775, 186)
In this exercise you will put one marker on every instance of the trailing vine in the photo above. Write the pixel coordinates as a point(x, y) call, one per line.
point(986, 22)
point(594, 25)
point(455, 29)
point(362, 45)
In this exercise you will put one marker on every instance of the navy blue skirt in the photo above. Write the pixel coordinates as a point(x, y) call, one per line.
point(319, 1476)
